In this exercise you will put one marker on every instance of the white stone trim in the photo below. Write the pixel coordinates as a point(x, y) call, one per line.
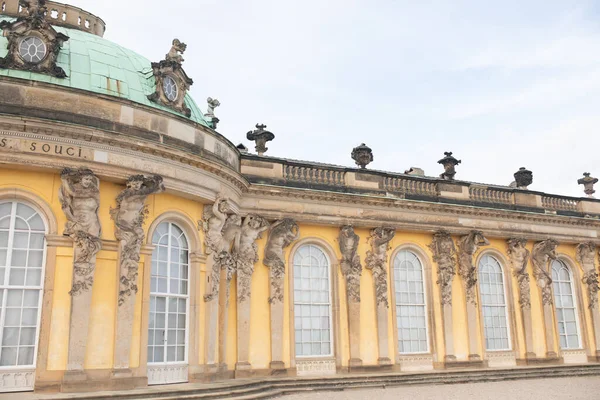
point(17, 380)
point(163, 374)
point(315, 367)
point(574, 356)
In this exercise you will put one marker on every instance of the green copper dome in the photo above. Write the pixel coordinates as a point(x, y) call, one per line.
point(97, 65)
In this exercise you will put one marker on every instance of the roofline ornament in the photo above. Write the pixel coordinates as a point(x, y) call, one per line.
point(171, 67)
point(260, 136)
point(449, 163)
point(588, 183)
point(34, 24)
point(362, 155)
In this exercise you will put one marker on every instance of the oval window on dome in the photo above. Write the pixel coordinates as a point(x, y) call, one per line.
point(32, 49)
point(170, 88)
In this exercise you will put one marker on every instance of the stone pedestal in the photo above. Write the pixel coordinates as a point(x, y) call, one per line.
point(549, 331)
point(448, 332)
point(223, 317)
point(212, 317)
point(382, 335)
point(528, 330)
point(473, 328)
point(354, 325)
point(596, 324)
point(78, 331)
point(276, 302)
point(243, 321)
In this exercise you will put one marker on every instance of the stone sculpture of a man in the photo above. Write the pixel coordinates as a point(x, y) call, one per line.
point(79, 196)
point(282, 234)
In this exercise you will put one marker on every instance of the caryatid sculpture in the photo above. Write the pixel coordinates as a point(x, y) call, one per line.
point(376, 261)
point(519, 257)
point(444, 254)
point(467, 247)
point(79, 197)
point(246, 252)
point(129, 216)
point(586, 255)
point(212, 224)
point(350, 262)
point(541, 255)
point(282, 233)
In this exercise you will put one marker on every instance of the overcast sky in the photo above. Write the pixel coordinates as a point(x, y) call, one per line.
point(504, 85)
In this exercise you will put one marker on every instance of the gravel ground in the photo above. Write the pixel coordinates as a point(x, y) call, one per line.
point(575, 388)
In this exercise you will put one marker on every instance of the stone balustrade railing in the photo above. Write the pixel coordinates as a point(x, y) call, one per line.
point(487, 195)
point(288, 173)
point(312, 175)
point(61, 15)
point(559, 203)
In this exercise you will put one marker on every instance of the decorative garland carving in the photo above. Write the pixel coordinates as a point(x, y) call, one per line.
point(467, 247)
point(350, 262)
point(171, 67)
point(519, 257)
point(376, 261)
point(129, 216)
point(79, 197)
point(541, 255)
point(586, 256)
point(444, 254)
point(282, 233)
point(33, 25)
point(246, 252)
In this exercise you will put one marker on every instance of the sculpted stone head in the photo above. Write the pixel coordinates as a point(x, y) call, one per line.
point(87, 180)
point(223, 206)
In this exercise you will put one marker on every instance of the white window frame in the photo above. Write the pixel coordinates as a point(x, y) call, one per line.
point(6, 286)
point(506, 304)
point(575, 306)
point(178, 296)
point(330, 279)
point(425, 304)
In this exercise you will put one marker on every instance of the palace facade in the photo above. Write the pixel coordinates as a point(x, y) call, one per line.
point(139, 246)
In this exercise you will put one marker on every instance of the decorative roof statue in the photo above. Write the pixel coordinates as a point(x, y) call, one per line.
point(260, 136)
point(175, 54)
point(523, 178)
point(210, 111)
point(588, 183)
point(33, 44)
point(362, 155)
point(449, 164)
point(172, 83)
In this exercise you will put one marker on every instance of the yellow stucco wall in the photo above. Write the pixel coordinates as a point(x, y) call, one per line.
point(101, 338)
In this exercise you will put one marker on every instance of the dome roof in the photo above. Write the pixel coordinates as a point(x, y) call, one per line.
point(97, 65)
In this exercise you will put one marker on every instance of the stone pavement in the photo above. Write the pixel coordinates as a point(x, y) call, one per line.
point(572, 388)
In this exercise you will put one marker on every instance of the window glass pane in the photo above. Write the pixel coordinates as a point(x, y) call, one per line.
point(564, 305)
point(168, 312)
point(312, 305)
point(410, 303)
point(493, 304)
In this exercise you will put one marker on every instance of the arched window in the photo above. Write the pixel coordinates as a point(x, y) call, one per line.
point(312, 303)
point(22, 255)
point(565, 307)
point(169, 301)
point(493, 304)
point(411, 308)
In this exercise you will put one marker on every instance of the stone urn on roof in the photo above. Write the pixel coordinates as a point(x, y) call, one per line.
point(449, 163)
point(260, 136)
point(523, 178)
point(588, 183)
point(362, 155)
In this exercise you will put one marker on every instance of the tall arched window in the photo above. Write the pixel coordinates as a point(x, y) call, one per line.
point(169, 303)
point(22, 255)
point(493, 304)
point(566, 309)
point(411, 308)
point(312, 303)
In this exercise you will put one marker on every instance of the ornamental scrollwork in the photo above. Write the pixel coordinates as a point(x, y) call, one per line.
point(79, 197)
point(129, 216)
